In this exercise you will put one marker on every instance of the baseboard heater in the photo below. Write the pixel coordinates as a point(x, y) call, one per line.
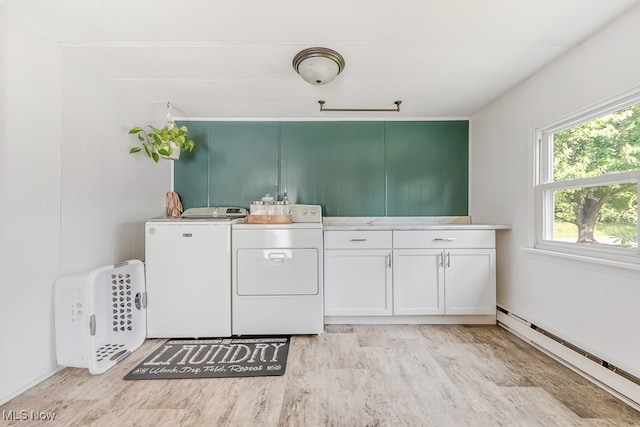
point(616, 381)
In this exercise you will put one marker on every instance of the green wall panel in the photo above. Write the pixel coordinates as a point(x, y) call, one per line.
point(427, 168)
point(191, 172)
point(243, 165)
point(338, 165)
point(349, 168)
point(233, 164)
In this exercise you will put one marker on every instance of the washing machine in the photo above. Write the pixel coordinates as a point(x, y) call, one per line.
point(188, 273)
point(277, 283)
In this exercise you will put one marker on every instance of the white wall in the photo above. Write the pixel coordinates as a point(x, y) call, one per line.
point(71, 197)
point(107, 193)
point(30, 202)
point(595, 307)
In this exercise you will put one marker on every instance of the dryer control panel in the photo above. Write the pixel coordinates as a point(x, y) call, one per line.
point(305, 213)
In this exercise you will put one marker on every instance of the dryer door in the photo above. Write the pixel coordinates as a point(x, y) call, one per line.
point(277, 271)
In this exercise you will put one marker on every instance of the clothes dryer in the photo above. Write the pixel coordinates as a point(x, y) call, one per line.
point(277, 279)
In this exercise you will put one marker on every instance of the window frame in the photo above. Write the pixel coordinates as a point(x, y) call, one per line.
point(544, 186)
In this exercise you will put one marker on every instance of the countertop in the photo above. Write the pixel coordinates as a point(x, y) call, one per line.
point(407, 223)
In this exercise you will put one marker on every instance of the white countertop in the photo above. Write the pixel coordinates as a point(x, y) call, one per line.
point(407, 223)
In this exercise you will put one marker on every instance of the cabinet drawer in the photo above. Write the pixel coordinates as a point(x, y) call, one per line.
point(357, 239)
point(444, 239)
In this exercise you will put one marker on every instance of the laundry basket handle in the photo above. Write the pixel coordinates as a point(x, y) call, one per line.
point(92, 324)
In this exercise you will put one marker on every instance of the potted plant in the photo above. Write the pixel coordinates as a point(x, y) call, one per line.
point(167, 142)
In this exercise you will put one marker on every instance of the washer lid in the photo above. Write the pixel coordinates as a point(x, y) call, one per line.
point(213, 212)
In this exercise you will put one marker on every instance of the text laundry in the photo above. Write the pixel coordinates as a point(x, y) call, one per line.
point(208, 354)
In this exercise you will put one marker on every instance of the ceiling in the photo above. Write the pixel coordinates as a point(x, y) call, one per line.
point(232, 58)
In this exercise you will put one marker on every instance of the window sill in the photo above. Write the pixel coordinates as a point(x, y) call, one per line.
point(583, 258)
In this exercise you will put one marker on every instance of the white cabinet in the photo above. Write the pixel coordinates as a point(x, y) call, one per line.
point(418, 281)
point(438, 281)
point(470, 281)
point(455, 275)
point(410, 273)
point(357, 282)
point(357, 273)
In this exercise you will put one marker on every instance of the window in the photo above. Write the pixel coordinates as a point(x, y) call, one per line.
point(587, 183)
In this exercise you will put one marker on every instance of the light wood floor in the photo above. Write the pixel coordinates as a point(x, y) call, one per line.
point(352, 375)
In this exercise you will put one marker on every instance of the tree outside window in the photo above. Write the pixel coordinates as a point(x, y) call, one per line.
point(592, 188)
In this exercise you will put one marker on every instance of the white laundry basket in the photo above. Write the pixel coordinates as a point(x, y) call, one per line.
point(100, 316)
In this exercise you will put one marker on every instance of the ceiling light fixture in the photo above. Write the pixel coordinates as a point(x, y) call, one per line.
point(318, 65)
point(397, 109)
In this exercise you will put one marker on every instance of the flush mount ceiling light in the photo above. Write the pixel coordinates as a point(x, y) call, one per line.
point(318, 65)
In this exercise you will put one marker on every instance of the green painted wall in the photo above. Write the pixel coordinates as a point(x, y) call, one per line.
point(427, 168)
point(349, 168)
point(339, 166)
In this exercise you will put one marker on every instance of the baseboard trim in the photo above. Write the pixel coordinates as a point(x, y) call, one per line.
point(615, 384)
point(488, 319)
point(7, 398)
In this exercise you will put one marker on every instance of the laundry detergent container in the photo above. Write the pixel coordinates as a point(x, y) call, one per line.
point(100, 316)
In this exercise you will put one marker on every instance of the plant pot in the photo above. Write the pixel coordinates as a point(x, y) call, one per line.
point(175, 154)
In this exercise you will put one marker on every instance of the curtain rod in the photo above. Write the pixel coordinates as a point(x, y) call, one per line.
point(397, 109)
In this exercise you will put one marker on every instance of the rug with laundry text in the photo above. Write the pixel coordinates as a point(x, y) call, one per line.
point(215, 358)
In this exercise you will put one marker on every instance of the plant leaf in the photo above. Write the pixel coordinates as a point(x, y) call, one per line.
point(160, 142)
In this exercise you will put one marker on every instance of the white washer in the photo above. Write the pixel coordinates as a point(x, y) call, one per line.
point(277, 279)
point(188, 277)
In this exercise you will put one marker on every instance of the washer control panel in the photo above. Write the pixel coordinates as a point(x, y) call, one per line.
point(305, 213)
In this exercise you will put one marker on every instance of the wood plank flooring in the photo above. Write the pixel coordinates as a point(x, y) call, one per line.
point(352, 375)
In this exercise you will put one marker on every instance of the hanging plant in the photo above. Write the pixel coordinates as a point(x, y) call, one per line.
point(167, 142)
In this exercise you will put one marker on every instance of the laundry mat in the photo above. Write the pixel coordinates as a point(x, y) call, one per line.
point(215, 358)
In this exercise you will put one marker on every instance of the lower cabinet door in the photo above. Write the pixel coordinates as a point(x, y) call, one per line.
point(470, 277)
point(418, 281)
point(357, 282)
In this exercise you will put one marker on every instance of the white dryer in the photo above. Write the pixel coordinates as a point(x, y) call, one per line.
point(277, 284)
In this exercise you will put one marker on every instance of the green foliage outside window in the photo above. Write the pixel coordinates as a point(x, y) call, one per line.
point(608, 144)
